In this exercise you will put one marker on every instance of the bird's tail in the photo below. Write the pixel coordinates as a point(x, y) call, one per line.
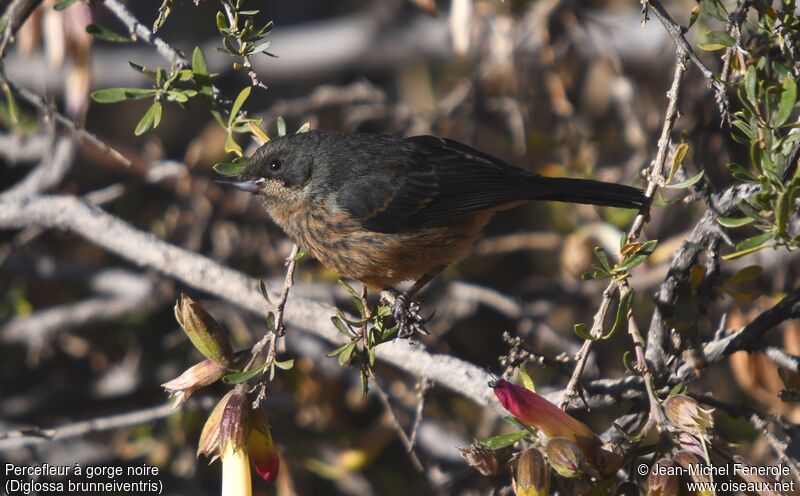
point(589, 191)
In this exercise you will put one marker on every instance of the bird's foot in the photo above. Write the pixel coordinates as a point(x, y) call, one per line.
point(406, 314)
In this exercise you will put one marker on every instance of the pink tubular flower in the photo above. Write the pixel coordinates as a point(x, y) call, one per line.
point(533, 410)
point(263, 454)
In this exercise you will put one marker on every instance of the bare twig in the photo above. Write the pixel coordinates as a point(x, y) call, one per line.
point(77, 130)
point(14, 440)
point(654, 179)
point(401, 433)
point(47, 174)
point(14, 17)
point(139, 30)
point(144, 249)
point(677, 33)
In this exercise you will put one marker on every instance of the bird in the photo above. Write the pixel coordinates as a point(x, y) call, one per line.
point(384, 209)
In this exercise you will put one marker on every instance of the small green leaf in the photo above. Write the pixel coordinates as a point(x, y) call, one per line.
point(299, 255)
point(222, 23)
point(688, 182)
point(304, 128)
point(239, 377)
point(341, 326)
point(626, 361)
point(237, 104)
point(11, 103)
point(149, 120)
point(114, 95)
point(621, 319)
point(503, 440)
point(733, 222)
point(717, 40)
point(527, 380)
point(788, 99)
point(199, 63)
point(582, 331)
point(746, 274)
point(229, 168)
point(677, 160)
point(678, 388)
point(63, 4)
point(346, 356)
point(750, 81)
point(262, 286)
point(285, 365)
point(281, 126)
point(106, 34)
point(231, 146)
point(601, 256)
point(754, 241)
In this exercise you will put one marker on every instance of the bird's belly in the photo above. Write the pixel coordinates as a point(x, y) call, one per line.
point(382, 260)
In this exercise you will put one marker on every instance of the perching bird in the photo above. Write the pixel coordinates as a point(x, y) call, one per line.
point(384, 209)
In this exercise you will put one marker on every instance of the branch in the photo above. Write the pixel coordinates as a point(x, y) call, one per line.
point(139, 30)
point(654, 179)
point(144, 249)
point(677, 32)
point(14, 440)
point(76, 129)
point(54, 166)
point(14, 17)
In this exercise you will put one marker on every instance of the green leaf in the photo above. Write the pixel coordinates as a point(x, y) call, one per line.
point(746, 274)
point(621, 319)
point(114, 95)
point(733, 222)
point(688, 182)
point(281, 126)
point(717, 40)
point(341, 326)
point(237, 104)
point(788, 99)
point(63, 4)
point(677, 160)
point(262, 286)
point(261, 47)
point(222, 23)
point(229, 168)
point(285, 365)
point(602, 258)
point(304, 128)
point(750, 81)
point(503, 440)
point(11, 103)
point(231, 146)
point(582, 331)
point(678, 388)
point(299, 255)
point(106, 34)
point(239, 377)
point(627, 361)
point(740, 172)
point(199, 63)
point(354, 296)
point(347, 354)
point(753, 242)
point(149, 120)
point(527, 380)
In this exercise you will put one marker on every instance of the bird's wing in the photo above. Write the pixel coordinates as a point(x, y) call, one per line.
point(442, 179)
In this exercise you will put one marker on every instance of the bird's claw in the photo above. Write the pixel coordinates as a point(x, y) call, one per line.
point(407, 316)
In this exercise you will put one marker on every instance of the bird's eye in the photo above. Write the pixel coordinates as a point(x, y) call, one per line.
point(275, 165)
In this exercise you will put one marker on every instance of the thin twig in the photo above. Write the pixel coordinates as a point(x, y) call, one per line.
point(14, 17)
point(76, 129)
point(139, 30)
point(407, 442)
point(677, 32)
point(654, 179)
point(14, 440)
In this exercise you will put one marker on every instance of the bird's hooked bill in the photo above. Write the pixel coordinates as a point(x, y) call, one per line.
point(249, 186)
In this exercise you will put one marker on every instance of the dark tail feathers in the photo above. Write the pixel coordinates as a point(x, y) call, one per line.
point(589, 191)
